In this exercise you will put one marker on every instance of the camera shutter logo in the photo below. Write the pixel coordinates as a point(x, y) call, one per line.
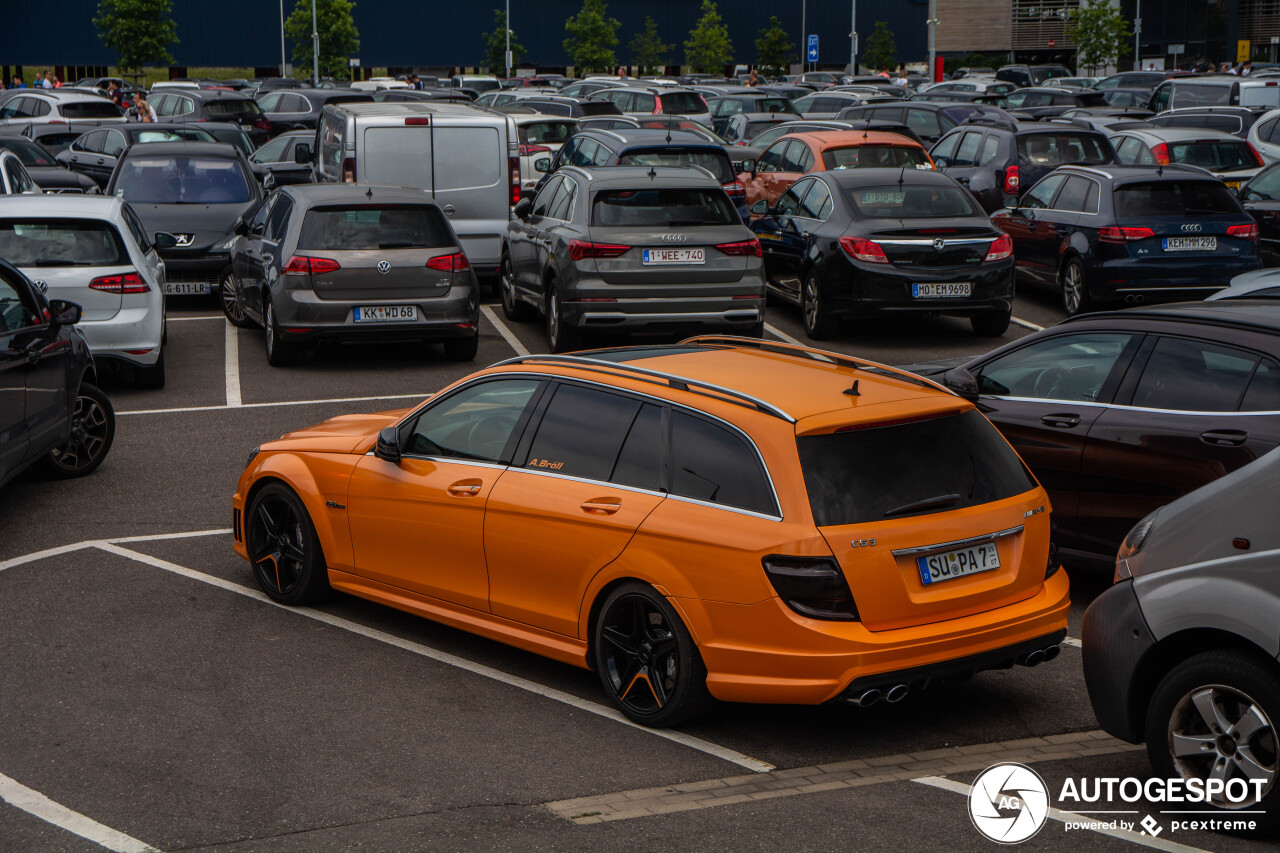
point(1009, 803)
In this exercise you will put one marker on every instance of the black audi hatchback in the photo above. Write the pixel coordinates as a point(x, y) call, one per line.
point(852, 243)
point(1130, 234)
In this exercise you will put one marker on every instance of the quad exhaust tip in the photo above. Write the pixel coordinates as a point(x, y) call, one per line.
point(896, 694)
point(1135, 298)
point(867, 698)
point(1039, 656)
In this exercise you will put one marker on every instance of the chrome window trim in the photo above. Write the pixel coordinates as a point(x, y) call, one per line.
point(957, 543)
point(1129, 408)
point(913, 242)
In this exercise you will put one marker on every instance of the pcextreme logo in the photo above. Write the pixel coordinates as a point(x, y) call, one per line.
point(1009, 803)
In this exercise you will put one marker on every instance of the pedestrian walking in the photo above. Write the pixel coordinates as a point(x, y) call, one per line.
point(752, 79)
point(113, 92)
point(901, 79)
point(46, 83)
point(143, 109)
point(1246, 68)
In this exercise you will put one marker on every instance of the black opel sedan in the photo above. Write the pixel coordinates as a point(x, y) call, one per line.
point(1130, 234)
point(861, 242)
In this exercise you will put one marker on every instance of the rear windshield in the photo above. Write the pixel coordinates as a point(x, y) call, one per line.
point(91, 109)
point(960, 112)
point(757, 127)
point(159, 136)
point(1168, 198)
point(774, 105)
point(58, 140)
point(660, 208)
point(547, 132)
point(1199, 95)
point(682, 103)
point(29, 153)
point(714, 161)
point(228, 108)
point(1260, 96)
point(61, 243)
point(1216, 156)
point(1059, 149)
point(874, 156)
point(898, 202)
point(1042, 74)
point(933, 465)
point(182, 180)
point(232, 136)
point(349, 228)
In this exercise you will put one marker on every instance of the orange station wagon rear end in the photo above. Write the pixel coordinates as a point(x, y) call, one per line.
point(724, 518)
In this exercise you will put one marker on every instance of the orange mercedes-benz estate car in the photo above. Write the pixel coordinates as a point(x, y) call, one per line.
point(725, 518)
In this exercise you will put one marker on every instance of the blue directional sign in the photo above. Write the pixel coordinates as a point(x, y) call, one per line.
point(813, 48)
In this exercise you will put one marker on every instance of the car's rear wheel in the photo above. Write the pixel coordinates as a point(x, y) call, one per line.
point(283, 547)
point(818, 324)
point(279, 353)
point(1214, 716)
point(561, 336)
point(151, 376)
point(992, 324)
point(514, 310)
point(462, 349)
point(228, 292)
point(1075, 288)
point(93, 429)
point(647, 660)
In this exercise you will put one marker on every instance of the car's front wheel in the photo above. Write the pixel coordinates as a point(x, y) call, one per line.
point(228, 295)
point(1213, 717)
point(283, 547)
point(93, 429)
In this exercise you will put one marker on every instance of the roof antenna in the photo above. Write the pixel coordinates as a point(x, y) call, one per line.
point(369, 193)
point(653, 173)
point(901, 174)
point(853, 392)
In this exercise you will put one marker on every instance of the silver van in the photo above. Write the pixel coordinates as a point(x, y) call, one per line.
point(468, 159)
point(1224, 90)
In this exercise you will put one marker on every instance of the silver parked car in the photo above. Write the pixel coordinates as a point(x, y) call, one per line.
point(1182, 651)
point(632, 247)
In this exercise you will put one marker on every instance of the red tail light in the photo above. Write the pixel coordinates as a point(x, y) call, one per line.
point(1113, 234)
point(263, 124)
point(1256, 155)
point(457, 262)
point(418, 121)
point(1001, 248)
point(1011, 181)
point(513, 163)
point(579, 249)
point(1161, 153)
point(1243, 232)
point(749, 248)
point(129, 282)
point(349, 170)
point(863, 250)
point(303, 265)
point(735, 188)
point(530, 150)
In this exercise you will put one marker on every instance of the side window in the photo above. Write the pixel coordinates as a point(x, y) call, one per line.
point(542, 203)
point(923, 122)
point(817, 202)
point(582, 433)
point(712, 464)
point(1073, 194)
point(644, 103)
point(260, 216)
point(562, 208)
point(1272, 133)
point(272, 152)
point(803, 158)
point(792, 157)
point(584, 153)
point(1263, 393)
point(1091, 198)
point(600, 156)
point(136, 228)
point(1142, 154)
point(184, 106)
point(114, 145)
point(92, 143)
point(270, 103)
point(1064, 367)
point(1042, 193)
point(945, 149)
point(474, 423)
point(1016, 100)
point(990, 147)
point(18, 177)
point(968, 149)
point(789, 202)
point(14, 312)
point(1193, 376)
point(1125, 150)
point(1160, 100)
point(771, 160)
point(566, 152)
point(887, 113)
point(640, 461)
point(278, 222)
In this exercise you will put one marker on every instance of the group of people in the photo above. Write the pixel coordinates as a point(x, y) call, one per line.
point(48, 80)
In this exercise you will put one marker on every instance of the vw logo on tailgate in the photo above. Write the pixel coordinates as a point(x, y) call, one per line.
point(384, 267)
point(674, 238)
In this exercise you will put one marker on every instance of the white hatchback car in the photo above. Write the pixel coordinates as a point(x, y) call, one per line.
point(14, 179)
point(541, 136)
point(93, 250)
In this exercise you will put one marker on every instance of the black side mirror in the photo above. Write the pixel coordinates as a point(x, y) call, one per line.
point(749, 166)
point(962, 382)
point(388, 446)
point(1010, 203)
point(240, 229)
point(523, 208)
point(165, 240)
point(760, 208)
point(65, 313)
point(302, 153)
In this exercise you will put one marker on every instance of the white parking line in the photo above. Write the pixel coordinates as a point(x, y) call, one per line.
point(89, 543)
point(1071, 817)
point(551, 693)
point(781, 335)
point(233, 366)
point(197, 317)
point(35, 803)
point(422, 395)
point(1026, 324)
point(1071, 641)
point(506, 333)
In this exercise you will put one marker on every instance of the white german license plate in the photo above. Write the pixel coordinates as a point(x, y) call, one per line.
point(953, 564)
point(187, 287)
point(942, 290)
point(1190, 244)
point(386, 314)
point(675, 256)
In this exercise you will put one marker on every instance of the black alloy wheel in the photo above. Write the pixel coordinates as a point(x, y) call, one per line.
point(283, 547)
point(647, 660)
point(93, 429)
point(515, 310)
point(228, 291)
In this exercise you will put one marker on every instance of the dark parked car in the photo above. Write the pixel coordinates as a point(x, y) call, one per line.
point(999, 160)
point(1131, 233)
point(1136, 80)
point(51, 415)
point(54, 138)
point(188, 196)
point(44, 169)
point(1261, 198)
point(299, 109)
point(1233, 160)
point(741, 128)
point(1121, 412)
point(201, 105)
point(1031, 75)
point(352, 262)
point(559, 105)
point(851, 243)
point(1233, 120)
point(1049, 101)
point(394, 96)
point(929, 121)
point(279, 159)
point(95, 153)
point(657, 100)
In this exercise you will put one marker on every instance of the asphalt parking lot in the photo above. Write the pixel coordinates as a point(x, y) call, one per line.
point(152, 698)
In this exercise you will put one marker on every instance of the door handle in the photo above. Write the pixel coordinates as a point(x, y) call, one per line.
point(1031, 226)
point(1065, 421)
point(601, 506)
point(465, 488)
point(1224, 437)
point(1063, 231)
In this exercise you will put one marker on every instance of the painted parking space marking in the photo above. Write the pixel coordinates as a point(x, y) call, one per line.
point(421, 395)
point(194, 317)
point(232, 351)
point(1074, 818)
point(1072, 642)
point(90, 543)
point(1026, 324)
point(507, 334)
point(781, 335)
point(38, 805)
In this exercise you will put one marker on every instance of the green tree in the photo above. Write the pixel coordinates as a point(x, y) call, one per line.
point(708, 49)
point(1100, 32)
point(140, 31)
point(592, 37)
point(650, 53)
point(881, 52)
point(774, 50)
point(339, 38)
point(495, 45)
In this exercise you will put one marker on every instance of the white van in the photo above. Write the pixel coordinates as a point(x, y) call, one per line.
point(1215, 91)
point(468, 159)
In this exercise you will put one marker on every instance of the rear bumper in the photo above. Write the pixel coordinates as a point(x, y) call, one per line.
point(1188, 278)
point(453, 315)
point(132, 335)
point(869, 292)
point(705, 312)
point(1114, 640)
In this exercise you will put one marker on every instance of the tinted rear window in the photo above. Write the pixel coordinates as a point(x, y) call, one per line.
point(869, 475)
point(1215, 156)
point(227, 108)
point(715, 161)
point(774, 105)
point(350, 228)
point(61, 243)
point(1169, 198)
point(91, 109)
point(1260, 96)
point(1200, 95)
point(1059, 149)
point(682, 103)
point(182, 180)
point(874, 156)
point(895, 202)
point(660, 208)
point(547, 132)
point(29, 153)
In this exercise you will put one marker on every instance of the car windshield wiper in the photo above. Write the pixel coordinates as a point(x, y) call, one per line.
point(400, 244)
point(927, 503)
point(51, 262)
point(686, 222)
